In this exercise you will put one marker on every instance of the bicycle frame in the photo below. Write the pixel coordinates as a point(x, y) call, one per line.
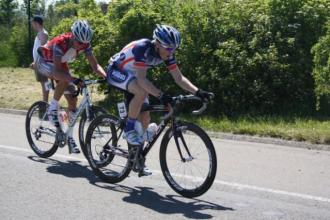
point(173, 111)
point(85, 104)
point(171, 117)
point(161, 128)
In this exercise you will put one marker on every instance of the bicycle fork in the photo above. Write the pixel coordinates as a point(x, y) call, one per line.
point(177, 134)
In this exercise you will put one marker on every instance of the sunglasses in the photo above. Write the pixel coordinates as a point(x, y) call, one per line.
point(169, 49)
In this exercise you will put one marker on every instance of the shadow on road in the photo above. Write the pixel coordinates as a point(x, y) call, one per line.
point(172, 204)
point(143, 196)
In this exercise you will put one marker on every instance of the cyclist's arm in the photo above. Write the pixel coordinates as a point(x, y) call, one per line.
point(141, 75)
point(182, 81)
point(95, 66)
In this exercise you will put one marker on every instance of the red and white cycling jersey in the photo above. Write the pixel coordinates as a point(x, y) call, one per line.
point(60, 47)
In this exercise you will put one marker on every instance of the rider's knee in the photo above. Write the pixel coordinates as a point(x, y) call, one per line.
point(141, 95)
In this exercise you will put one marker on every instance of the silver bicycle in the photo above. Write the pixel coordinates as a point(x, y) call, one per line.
point(44, 138)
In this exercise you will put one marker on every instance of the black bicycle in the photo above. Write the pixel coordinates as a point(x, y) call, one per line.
point(44, 138)
point(187, 155)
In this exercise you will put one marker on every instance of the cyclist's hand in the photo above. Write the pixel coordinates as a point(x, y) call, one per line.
point(32, 65)
point(165, 99)
point(204, 95)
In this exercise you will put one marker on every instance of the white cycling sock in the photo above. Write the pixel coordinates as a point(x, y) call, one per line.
point(72, 114)
point(53, 105)
point(70, 132)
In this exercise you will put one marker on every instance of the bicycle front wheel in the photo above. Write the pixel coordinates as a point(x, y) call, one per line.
point(41, 134)
point(188, 159)
point(94, 111)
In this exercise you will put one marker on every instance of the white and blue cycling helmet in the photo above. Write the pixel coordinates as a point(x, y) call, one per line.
point(167, 36)
point(82, 31)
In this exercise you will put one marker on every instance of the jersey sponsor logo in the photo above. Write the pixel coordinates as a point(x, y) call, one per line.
point(122, 56)
point(118, 77)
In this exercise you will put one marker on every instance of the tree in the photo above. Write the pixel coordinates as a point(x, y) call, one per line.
point(7, 15)
point(321, 71)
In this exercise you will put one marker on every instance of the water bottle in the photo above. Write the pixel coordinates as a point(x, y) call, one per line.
point(150, 132)
point(63, 116)
point(63, 119)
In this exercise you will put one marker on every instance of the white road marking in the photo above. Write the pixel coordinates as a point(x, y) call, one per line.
point(238, 186)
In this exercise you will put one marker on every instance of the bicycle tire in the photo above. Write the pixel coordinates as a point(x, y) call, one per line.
point(95, 111)
point(40, 153)
point(190, 193)
point(95, 167)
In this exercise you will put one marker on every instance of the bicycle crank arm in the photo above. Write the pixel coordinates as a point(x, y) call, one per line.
point(46, 131)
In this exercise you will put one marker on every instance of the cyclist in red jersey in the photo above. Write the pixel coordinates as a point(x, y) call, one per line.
point(53, 63)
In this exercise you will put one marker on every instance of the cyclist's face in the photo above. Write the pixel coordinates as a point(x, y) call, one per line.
point(165, 52)
point(35, 25)
point(77, 45)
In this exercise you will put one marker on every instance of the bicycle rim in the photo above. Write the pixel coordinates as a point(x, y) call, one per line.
point(188, 160)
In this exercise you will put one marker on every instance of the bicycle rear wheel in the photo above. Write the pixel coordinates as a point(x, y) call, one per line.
point(41, 134)
point(188, 160)
point(107, 153)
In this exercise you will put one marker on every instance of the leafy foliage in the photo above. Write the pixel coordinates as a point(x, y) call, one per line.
point(321, 71)
point(255, 55)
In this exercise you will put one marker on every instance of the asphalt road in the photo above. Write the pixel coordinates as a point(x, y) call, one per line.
point(254, 181)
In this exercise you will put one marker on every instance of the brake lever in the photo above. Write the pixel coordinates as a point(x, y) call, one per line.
point(169, 114)
point(211, 95)
point(201, 110)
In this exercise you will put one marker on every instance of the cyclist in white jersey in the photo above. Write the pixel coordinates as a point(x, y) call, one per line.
point(128, 70)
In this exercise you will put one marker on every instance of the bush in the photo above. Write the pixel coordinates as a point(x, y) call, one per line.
point(7, 55)
point(321, 71)
point(254, 55)
point(19, 45)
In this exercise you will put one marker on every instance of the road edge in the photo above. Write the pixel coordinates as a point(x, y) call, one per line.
point(13, 111)
point(229, 136)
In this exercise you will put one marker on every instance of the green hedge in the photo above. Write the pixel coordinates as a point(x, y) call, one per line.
point(255, 55)
point(321, 70)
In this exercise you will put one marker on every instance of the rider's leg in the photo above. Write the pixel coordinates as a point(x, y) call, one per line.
point(59, 90)
point(135, 104)
point(63, 79)
point(132, 136)
point(72, 100)
point(145, 119)
point(54, 104)
point(127, 81)
point(72, 106)
point(45, 91)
